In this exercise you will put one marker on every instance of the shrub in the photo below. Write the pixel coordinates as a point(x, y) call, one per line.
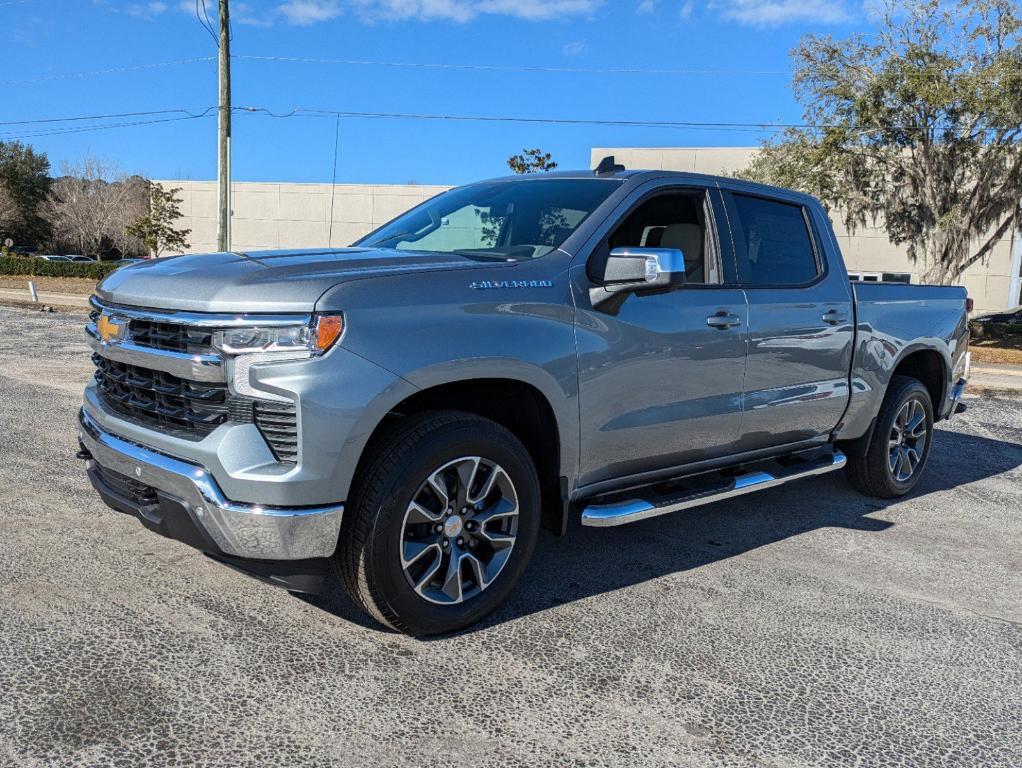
point(15, 265)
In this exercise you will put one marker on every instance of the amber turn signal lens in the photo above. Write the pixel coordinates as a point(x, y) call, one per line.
point(328, 330)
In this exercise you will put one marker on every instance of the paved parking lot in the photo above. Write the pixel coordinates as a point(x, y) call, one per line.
point(800, 626)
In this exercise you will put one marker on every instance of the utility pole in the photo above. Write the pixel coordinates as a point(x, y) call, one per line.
point(223, 174)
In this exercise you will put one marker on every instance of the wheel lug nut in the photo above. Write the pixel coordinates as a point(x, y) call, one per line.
point(461, 542)
point(445, 543)
point(438, 528)
point(470, 525)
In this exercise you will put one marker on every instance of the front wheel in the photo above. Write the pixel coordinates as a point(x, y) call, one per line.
point(442, 523)
point(896, 455)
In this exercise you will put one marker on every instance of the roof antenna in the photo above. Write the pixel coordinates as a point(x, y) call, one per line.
point(608, 167)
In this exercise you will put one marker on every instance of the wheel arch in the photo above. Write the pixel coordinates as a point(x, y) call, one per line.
point(925, 364)
point(514, 403)
point(929, 367)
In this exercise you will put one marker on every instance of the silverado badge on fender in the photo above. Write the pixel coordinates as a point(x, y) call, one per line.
point(486, 284)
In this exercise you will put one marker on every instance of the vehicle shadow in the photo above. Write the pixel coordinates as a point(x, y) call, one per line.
point(592, 561)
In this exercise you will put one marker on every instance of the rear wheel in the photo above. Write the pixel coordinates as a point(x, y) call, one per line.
point(442, 523)
point(896, 455)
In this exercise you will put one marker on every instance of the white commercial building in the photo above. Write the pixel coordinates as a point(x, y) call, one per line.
point(287, 215)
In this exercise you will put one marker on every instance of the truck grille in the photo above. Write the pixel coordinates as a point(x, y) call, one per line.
point(161, 400)
point(171, 336)
point(191, 409)
point(181, 407)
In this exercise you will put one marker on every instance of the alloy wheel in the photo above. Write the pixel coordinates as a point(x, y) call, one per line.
point(908, 440)
point(459, 530)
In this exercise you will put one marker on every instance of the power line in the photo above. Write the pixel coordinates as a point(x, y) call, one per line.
point(110, 71)
point(87, 128)
point(510, 67)
point(203, 17)
point(114, 115)
point(688, 125)
point(317, 112)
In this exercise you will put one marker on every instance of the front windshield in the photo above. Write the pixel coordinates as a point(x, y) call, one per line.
point(499, 220)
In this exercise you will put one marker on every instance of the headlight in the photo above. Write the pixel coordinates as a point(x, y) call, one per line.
point(298, 340)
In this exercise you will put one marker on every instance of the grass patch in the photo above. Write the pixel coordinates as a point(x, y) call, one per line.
point(80, 286)
point(997, 351)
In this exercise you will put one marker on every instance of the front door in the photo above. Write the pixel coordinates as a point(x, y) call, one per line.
point(660, 374)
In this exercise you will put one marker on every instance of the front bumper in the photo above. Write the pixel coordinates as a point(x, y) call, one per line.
point(183, 501)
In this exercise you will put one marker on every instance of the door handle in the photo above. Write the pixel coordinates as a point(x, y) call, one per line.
point(834, 317)
point(723, 321)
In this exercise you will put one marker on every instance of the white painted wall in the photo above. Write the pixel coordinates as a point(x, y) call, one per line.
point(278, 215)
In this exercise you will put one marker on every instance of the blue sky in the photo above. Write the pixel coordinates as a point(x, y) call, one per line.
point(90, 57)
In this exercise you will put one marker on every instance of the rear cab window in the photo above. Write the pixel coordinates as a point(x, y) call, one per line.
point(774, 243)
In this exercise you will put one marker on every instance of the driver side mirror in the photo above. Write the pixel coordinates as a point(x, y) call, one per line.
point(634, 269)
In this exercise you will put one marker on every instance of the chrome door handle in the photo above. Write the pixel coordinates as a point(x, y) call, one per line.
point(833, 317)
point(723, 321)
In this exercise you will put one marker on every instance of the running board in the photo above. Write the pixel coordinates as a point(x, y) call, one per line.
point(632, 510)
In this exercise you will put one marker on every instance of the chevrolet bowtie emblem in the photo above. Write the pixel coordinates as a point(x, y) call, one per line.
point(110, 329)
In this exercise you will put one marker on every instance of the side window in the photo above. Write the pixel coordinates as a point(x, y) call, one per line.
point(778, 249)
point(673, 220)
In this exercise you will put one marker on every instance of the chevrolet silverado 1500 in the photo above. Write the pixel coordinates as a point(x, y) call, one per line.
point(514, 354)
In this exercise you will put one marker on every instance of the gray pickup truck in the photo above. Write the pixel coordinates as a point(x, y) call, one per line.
point(519, 353)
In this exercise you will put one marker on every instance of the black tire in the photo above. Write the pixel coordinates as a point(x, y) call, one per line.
point(399, 463)
point(870, 471)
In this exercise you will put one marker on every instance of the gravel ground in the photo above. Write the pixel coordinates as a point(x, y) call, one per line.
point(799, 626)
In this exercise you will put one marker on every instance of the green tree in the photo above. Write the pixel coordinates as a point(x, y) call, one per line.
point(917, 128)
point(155, 227)
point(25, 177)
point(531, 161)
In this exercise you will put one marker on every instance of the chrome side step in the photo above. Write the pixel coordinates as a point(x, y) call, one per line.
point(632, 510)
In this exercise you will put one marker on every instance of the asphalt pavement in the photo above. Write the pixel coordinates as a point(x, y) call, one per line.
point(801, 626)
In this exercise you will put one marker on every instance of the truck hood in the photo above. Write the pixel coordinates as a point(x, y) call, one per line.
point(261, 281)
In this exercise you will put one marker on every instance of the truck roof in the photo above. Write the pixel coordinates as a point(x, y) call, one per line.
point(639, 175)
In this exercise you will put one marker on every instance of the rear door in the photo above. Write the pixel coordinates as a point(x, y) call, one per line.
point(800, 321)
point(660, 373)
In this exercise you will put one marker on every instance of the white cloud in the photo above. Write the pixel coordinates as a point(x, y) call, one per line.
point(575, 49)
point(147, 10)
point(309, 12)
point(771, 13)
point(305, 12)
point(466, 10)
point(686, 10)
point(646, 7)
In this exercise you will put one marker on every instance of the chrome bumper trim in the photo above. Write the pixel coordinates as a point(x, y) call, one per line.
point(204, 368)
point(242, 530)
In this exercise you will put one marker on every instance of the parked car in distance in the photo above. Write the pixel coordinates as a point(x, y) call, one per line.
point(600, 347)
point(998, 325)
point(52, 257)
point(76, 257)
